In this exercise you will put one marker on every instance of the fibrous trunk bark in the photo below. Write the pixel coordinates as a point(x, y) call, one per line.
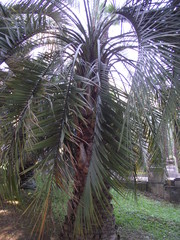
point(104, 231)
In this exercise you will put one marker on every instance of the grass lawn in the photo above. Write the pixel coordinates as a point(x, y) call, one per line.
point(158, 220)
point(144, 219)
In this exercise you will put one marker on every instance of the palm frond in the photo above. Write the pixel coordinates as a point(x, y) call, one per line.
point(86, 108)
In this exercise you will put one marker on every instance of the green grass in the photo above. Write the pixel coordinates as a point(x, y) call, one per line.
point(59, 199)
point(159, 219)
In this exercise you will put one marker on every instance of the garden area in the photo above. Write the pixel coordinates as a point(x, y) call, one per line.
point(144, 218)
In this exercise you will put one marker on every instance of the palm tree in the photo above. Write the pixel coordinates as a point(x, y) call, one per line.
point(76, 103)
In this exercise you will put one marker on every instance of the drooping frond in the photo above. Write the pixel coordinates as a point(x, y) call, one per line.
point(155, 86)
point(82, 99)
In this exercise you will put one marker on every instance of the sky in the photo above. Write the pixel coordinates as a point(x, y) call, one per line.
point(114, 30)
point(6, 1)
point(109, 1)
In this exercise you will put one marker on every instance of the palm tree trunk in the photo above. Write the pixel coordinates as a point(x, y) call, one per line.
point(104, 231)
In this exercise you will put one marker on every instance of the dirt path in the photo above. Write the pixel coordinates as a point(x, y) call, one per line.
point(15, 226)
point(12, 224)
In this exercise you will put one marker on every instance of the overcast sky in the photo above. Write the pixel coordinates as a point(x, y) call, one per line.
point(5, 1)
point(120, 2)
point(113, 32)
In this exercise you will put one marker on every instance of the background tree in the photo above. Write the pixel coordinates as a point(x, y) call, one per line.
point(80, 104)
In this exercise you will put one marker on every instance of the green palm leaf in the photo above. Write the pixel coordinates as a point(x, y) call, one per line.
point(83, 100)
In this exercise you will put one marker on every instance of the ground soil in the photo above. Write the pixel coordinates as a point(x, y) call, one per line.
point(16, 226)
point(13, 226)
